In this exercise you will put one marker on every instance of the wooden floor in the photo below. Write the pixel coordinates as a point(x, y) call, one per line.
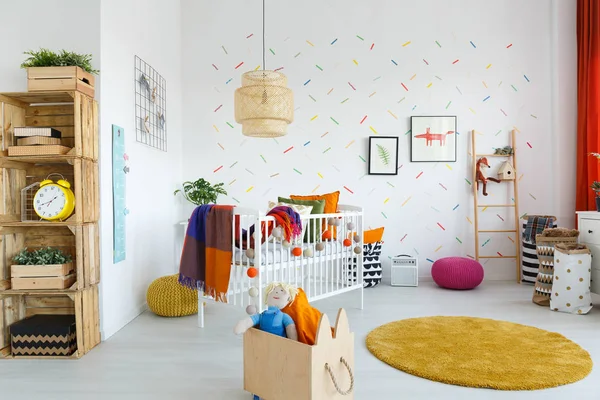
point(158, 358)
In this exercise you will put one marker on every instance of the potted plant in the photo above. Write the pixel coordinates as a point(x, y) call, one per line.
point(66, 70)
point(201, 192)
point(45, 268)
point(595, 186)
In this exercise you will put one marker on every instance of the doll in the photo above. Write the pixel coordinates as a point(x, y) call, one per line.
point(273, 320)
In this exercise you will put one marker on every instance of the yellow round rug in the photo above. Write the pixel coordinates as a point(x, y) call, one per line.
point(481, 353)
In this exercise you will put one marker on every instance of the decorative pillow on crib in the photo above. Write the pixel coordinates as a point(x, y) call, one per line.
point(331, 205)
point(300, 209)
point(317, 208)
point(372, 270)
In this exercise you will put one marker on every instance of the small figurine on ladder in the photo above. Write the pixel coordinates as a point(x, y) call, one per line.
point(481, 177)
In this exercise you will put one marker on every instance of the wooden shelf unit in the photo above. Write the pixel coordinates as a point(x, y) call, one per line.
point(72, 113)
point(81, 303)
point(81, 173)
point(76, 115)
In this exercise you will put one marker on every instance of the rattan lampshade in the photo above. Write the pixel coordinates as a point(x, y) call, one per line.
point(264, 105)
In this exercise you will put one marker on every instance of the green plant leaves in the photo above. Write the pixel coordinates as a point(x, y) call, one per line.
point(201, 191)
point(384, 154)
point(44, 256)
point(48, 58)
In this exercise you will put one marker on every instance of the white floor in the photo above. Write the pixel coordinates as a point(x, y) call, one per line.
point(158, 358)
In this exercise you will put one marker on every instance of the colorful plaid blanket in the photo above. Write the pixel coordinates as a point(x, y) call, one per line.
point(536, 225)
point(206, 257)
point(285, 217)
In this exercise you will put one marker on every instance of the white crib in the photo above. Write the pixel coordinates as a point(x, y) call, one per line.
point(334, 270)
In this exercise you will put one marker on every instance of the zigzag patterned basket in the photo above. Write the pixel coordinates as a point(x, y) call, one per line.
point(545, 252)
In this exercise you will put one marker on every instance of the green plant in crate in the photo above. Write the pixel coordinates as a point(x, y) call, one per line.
point(44, 256)
point(201, 191)
point(48, 58)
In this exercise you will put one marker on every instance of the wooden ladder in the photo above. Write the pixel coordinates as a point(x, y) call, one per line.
point(515, 205)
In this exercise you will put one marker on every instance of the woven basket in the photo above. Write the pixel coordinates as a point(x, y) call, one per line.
point(545, 252)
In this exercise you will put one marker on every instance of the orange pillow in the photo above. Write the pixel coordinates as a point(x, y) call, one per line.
point(331, 200)
point(373, 235)
point(305, 316)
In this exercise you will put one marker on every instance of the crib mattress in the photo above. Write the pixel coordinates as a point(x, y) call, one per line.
point(277, 253)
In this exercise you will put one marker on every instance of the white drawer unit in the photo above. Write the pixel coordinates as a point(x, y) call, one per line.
point(588, 223)
point(405, 270)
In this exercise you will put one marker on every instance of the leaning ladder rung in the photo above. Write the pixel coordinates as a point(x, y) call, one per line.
point(497, 256)
point(502, 230)
point(496, 205)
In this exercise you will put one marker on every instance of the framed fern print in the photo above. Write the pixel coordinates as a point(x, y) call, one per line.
point(383, 155)
point(433, 139)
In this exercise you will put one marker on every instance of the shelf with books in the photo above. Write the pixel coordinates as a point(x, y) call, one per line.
point(73, 114)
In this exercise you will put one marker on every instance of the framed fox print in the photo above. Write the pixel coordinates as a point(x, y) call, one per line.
point(383, 155)
point(433, 139)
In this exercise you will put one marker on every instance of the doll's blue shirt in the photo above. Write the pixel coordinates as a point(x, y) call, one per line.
point(272, 320)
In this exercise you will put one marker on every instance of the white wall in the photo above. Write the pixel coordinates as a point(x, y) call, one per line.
point(542, 108)
point(151, 30)
point(30, 25)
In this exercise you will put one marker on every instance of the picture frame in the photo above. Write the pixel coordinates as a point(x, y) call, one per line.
point(383, 155)
point(433, 138)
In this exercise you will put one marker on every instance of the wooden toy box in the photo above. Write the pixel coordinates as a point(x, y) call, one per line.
point(277, 368)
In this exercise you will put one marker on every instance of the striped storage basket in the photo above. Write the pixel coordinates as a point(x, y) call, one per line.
point(529, 259)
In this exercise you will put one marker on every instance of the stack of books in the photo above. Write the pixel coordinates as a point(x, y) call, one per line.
point(33, 141)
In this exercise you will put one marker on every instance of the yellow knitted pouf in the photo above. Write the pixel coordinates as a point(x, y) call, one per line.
point(167, 298)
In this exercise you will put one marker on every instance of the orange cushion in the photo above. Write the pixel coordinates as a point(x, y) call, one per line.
point(373, 235)
point(331, 200)
point(305, 316)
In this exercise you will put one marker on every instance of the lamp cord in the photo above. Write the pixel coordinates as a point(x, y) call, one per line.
point(263, 36)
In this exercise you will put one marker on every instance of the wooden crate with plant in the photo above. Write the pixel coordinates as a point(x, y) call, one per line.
point(62, 71)
point(27, 246)
point(45, 268)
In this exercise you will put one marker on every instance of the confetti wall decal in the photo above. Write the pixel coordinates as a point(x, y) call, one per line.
point(345, 90)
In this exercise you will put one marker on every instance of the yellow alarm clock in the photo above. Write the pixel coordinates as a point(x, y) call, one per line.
point(54, 201)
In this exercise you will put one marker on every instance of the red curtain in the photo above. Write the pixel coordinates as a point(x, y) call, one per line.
point(588, 101)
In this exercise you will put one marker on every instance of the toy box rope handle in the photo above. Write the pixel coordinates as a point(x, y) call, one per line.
point(343, 393)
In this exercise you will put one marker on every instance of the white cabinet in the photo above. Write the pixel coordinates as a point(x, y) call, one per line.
point(589, 234)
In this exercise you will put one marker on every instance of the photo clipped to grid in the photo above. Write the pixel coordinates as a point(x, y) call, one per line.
point(150, 106)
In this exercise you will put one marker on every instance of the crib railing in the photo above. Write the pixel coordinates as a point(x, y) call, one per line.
point(327, 266)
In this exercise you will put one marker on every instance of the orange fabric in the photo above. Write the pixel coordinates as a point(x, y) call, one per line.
point(331, 205)
point(373, 235)
point(305, 316)
point(217, 278)
point(588, 101)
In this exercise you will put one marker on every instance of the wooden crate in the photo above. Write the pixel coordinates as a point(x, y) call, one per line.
point(79, 241)
point(82, 303)
point(36, 277)
point(43, 79)
point(74, 114)
point(279, 368)
point(82, 174)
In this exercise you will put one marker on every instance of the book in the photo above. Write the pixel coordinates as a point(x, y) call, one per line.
point(33, 140)
point(25, 131)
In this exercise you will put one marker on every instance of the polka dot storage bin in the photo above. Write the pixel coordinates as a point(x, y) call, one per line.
point(571, 284)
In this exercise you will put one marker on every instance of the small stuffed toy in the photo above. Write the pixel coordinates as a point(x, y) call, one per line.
point(273, 320)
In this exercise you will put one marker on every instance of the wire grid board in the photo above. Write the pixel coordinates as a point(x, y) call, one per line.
point(150, 106)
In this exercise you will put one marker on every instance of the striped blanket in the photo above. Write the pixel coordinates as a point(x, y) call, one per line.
point(206, 257)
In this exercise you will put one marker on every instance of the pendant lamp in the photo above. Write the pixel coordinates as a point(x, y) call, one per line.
point(264, 105)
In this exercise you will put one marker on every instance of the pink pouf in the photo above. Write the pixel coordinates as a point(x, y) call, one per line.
point(457, 273)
